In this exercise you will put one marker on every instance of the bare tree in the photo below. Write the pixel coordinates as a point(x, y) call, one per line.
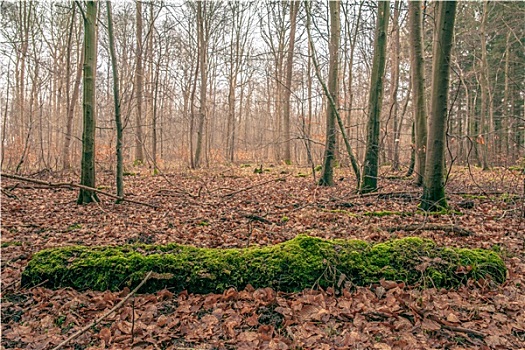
point(375, 98)
point(418, 87)
point(87, 176)
point(434, 182)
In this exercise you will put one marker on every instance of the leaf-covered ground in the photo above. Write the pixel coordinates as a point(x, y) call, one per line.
point(233, 207)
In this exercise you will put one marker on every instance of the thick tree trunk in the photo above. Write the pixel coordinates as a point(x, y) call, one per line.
point(434, 182)
point(418, 85)
point(87, 177)
point(369, 183)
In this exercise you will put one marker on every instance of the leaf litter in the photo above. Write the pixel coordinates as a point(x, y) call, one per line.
point(234, 208)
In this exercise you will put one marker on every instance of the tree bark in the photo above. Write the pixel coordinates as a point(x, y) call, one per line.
point(203, 52)
point(369, 183)
point(87, 177)
point(294, 9)
point(116, 100)
point(139, 76)
point(327, 175)
point(418, 84)
point(394, 85)
point(434, 183)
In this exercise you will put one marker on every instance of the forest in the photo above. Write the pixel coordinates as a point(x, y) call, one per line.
point(262, 174)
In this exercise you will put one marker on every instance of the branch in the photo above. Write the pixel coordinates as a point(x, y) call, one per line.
point(86, 328)
point(72, 184)
point(250, 187)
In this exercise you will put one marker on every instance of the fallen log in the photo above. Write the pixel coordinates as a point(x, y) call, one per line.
point(69, 185)
point(303, 262)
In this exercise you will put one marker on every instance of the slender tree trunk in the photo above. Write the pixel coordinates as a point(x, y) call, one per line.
point(294, 8)
point(327, 175)
point(71, 112)
point(394, 86)
point(203, 62)
point(485, 94)
point(369, 183)
point(116, 100)
point(417, 76)
point(434, 183)
point(87, 177)
point(139, 76)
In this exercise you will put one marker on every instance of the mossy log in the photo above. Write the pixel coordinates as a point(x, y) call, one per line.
point(303, 262)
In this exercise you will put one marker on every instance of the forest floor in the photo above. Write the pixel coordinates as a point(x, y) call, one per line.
point(233, 207)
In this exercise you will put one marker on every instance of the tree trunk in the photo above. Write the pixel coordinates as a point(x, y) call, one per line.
point(116, 100)
point(201, 12)
point(294, 8)
point(369, 183)
point(394, 85)
point(139, 75)
point(71, 101)
point(483, 138)
point(434, 183)
point(87, 177)
point(418, 84)
point(327, 175)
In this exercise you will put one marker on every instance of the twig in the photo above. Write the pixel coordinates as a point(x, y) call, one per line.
point(253, 217)
point(447, 228)
point(252, 186)
point(105, 315)
point(72, 184)
point(443, 323)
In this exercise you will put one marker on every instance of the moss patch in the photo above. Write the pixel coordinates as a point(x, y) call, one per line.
point(11, 243)
point(302, 262)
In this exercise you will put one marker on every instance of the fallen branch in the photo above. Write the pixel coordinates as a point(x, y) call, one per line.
point(442, 323)
point(289, 266)
point(253, 186)
point(105, 315)
point(447, 228)
point(72, 185)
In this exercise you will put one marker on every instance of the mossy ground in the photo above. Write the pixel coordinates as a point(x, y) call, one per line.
point(303, 262)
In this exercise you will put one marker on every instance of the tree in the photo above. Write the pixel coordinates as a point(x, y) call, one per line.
point(418, 87)
point(203, 63)
point(71, 100)
point(375, 100)
point(394, 84)
point(434, 183)
point(87, 175)
point(139, 75)
point(116, 100)
point(327, 175)
point(294, 8)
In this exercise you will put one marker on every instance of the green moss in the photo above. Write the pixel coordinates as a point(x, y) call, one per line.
point(302, 262)
point(285, 219)
point(473, 196)
point(11, 243)
point(385, 213)
point(246, 165)
point(440, 212)
point(301, 175)
point(74, 227)
point(340, 211)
